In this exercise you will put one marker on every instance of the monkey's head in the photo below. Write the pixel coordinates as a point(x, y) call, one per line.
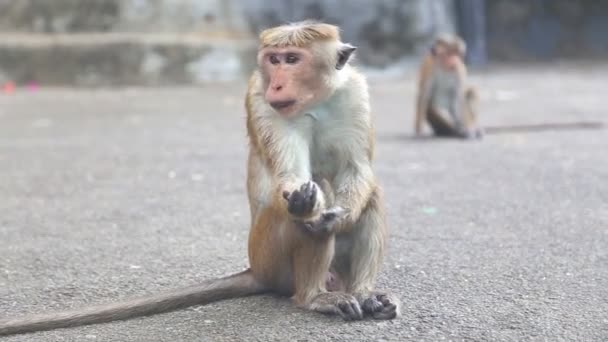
point(300, 63)
point(449, 50)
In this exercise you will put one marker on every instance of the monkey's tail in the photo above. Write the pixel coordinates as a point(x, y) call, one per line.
point(237, 285)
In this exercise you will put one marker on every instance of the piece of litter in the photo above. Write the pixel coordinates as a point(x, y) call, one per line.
point(9, 87)
point(197, 177)
point(429, 210)
point(90, 337)
point(171, 174)
point(135, 267)
point(32, 86)
point(208, 321)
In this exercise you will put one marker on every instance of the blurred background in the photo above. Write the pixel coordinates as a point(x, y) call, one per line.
point(160, 42)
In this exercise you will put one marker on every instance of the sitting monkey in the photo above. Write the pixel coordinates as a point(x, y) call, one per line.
point(444, 100)
point(318, 232)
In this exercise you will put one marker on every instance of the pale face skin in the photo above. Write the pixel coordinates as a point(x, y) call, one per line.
point(448, 57)
point(293, 81)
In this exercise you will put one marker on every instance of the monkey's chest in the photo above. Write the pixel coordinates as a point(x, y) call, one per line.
point(328, 144)
point(444, 89)
point(325, 157)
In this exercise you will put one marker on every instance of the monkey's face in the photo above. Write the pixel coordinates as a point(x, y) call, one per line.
point(293, 79)
point(448, 55)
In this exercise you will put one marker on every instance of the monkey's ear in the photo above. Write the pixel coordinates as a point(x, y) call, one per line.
point(344, 54)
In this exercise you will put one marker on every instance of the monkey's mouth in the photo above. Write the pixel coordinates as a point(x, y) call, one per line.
point(281, 105)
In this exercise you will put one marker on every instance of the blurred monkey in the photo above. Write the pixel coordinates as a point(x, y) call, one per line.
point(444, 100)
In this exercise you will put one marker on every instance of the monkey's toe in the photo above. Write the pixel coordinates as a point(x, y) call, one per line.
point(372, 305)
point(338, 303)
point(390, 307)
point(350, 310)
point(380, 305)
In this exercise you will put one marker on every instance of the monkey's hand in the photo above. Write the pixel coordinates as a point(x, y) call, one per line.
point(325, 223)
point(304, 202)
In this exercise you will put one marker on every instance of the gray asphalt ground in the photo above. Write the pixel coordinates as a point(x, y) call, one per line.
point(113, 193)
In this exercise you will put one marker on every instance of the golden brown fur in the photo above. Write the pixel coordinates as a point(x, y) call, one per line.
point(300, 35)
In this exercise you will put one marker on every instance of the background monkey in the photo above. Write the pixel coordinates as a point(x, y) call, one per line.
point(316, 210)
point(444, 99)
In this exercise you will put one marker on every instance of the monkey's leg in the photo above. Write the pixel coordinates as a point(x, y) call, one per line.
point(359, 255)
point(291, 261)
point(443, 127)
point(471, 112)
point(440, 124)
point(311, 260)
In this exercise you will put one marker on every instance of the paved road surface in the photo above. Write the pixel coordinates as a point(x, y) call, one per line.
point(108, 194)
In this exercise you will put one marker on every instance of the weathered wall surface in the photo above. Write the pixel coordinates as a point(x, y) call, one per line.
point(384, 30)
point(197, 41)
point(547, 29)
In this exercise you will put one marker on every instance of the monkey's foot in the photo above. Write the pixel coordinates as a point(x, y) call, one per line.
point(379, 305)
point(301, 202)
point(324, 225)
point(337, 303)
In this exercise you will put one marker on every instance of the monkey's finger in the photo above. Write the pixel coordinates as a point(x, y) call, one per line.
point(304, 188)
point(309, 227)
point(309, 190)
point(313, 194)
point(330, 216)
point(334, 213)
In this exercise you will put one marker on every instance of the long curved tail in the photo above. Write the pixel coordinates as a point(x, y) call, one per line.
point(237, 285)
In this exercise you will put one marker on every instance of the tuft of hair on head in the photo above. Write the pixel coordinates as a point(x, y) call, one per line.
point(299, 34)
point(452, 41)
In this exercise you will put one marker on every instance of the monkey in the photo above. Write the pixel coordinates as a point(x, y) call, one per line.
point(444, 100)
point(318, 228)
point(309, 117)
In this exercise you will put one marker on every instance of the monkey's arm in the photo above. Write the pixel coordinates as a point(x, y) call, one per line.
point(458, 105)
point(285, 159)
point(424, 93)
point(354, 187)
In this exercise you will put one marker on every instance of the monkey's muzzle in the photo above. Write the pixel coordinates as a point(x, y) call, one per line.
point(280, 105)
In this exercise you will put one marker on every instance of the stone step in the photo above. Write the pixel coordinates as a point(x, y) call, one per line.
point(120, 59)
point(78, 16)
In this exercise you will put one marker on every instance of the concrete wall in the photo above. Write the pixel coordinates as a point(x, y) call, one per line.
point(197, 41)
point(384, 30)
point(547, 29)
point(37, 37)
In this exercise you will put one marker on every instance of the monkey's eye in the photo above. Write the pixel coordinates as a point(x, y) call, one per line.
point(292, 58)
point(274, 59)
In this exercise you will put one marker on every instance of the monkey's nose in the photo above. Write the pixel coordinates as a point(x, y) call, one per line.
point(278, 105)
